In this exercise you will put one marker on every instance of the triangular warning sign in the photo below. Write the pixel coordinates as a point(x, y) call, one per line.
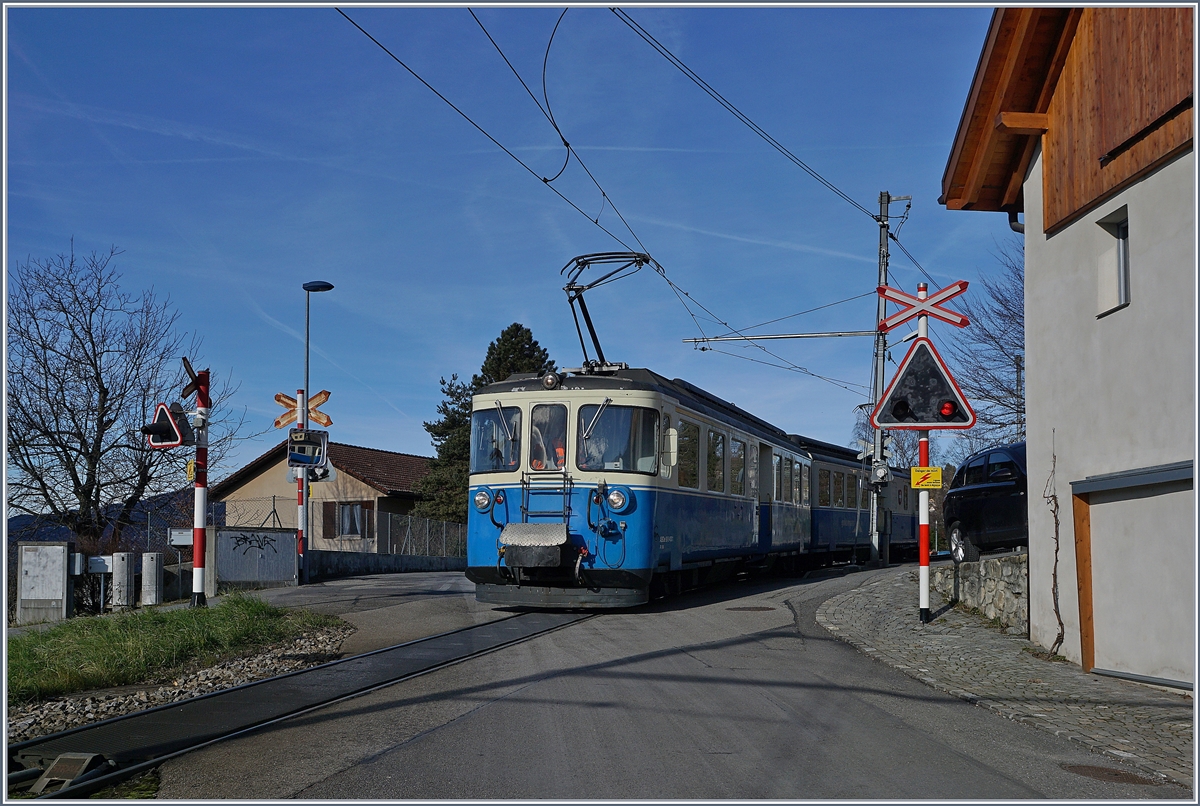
point(164, 431)
point(923, 396)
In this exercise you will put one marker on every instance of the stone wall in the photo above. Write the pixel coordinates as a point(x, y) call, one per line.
point(998, 586)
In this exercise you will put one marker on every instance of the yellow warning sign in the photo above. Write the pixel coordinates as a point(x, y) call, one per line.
point(191, 470)
point(926, 478)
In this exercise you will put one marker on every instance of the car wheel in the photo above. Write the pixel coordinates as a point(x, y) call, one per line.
point(962, 550)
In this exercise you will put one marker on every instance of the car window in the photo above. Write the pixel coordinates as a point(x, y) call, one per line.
point(976, 471)
point(998, 461)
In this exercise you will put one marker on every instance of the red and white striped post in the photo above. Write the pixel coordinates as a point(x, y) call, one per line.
point(301, 489)
point(200, 514)
point(923, 496)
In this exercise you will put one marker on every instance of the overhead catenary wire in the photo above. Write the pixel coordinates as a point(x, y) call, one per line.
point(482, 131)
point(810, 310)
point(719, 98)
point(793, 368)
point(682, 295)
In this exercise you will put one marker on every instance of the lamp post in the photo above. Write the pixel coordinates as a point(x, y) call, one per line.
point(315, 286)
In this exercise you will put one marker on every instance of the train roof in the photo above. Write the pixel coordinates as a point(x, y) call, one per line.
point(641, 379)
point(816, 446)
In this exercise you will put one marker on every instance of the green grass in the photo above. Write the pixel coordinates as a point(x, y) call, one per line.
point(91, 653)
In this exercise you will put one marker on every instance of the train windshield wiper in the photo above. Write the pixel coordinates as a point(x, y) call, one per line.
point(503, 422)
point(587, 432)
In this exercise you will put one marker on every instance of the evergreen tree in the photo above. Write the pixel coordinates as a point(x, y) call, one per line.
point(444, 489)
point(516, 350)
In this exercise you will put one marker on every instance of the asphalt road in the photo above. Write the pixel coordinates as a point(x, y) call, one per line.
point(733, 692)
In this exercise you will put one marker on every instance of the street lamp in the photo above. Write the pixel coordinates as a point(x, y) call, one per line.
point(311, 288)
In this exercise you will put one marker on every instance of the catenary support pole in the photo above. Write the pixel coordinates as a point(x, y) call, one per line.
point(200, 514)
point(923, 496)
point(879, 548)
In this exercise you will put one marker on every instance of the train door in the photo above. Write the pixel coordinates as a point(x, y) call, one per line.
point(766, 489)
point(752, 487)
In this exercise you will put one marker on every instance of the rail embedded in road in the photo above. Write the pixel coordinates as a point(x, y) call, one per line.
point(134, 742)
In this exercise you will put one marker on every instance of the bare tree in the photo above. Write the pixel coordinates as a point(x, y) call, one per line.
point(988, 356)
point(87, 362)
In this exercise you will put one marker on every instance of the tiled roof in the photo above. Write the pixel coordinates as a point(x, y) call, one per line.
point(387, 471)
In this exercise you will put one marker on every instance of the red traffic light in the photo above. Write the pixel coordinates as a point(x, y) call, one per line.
point(948, 408)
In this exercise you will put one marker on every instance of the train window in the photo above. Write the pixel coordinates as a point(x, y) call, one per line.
point(823, 498)
point(851, 490)
point(804, 482)
point(787, 479)
point(839, 489)
point(622, 438)
point(796, 482)
point(866, 494)
point(715, 462)
point(689, 454)
point(496, 440)
point(737, 467)
point(777, 463)
point(548, 437)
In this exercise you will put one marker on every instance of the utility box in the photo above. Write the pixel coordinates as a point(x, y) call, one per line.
point(44, 588)
point(124, 570)
point(152, 578)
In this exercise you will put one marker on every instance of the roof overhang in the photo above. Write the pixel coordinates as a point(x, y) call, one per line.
point(1005, 114)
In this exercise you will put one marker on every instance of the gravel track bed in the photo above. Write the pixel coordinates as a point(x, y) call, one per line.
point(61, 713)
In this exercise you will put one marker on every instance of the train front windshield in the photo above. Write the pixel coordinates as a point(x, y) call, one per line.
point(623, 438)
point(495, 440)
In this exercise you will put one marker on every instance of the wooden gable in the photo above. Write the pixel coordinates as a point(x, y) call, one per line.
point(1106, 91)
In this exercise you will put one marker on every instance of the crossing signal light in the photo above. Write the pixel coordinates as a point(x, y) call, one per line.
point(170, 428)
point(923, 395)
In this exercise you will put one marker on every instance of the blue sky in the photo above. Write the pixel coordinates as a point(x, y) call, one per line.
point(236, 153)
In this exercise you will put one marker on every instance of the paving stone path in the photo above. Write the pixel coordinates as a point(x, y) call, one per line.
point(961, 654)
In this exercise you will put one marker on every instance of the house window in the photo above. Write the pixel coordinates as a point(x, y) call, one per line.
point(350, 519)
point(1112, 276)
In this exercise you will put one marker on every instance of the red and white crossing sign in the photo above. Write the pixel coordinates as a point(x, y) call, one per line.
point(923, 307)
point(289, 404)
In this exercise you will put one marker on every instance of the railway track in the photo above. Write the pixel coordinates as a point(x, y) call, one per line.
point(127, 745)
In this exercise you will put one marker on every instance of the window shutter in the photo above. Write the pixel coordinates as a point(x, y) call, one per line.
point(329, 525)
point(368, 525)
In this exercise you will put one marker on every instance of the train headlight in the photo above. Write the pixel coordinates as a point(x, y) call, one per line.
point(619, 500)
point(550, 381)
point(483, 500)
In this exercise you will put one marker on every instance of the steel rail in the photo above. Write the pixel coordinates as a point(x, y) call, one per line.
point(145, 739)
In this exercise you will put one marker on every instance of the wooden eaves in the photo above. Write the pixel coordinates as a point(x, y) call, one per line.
point(1006, 110)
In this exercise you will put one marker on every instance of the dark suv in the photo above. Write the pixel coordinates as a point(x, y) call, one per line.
point(987, 506)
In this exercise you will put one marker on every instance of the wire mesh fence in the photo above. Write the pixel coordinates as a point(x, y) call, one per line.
point(405, 534)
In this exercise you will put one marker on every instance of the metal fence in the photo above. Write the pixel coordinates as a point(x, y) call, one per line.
point(405, 534)
point(379, 532)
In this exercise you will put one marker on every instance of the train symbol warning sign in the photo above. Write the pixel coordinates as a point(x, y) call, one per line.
point(923, 396)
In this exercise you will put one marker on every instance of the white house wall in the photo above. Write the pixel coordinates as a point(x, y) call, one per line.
point(1110, 394)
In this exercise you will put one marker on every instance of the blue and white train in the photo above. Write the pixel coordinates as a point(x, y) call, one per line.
point(601, 490)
